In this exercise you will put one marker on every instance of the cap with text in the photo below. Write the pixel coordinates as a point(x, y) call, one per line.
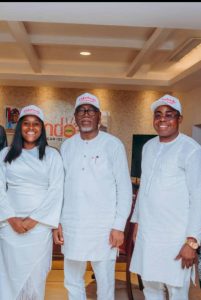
point(167, 100)
point(87, 99)
point(32, 110)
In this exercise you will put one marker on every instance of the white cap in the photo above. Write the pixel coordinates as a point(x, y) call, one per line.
point(87, 99)
point(167, 100)
point(32, 110)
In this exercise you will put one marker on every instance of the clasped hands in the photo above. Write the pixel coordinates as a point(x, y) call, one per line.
point(22, 225)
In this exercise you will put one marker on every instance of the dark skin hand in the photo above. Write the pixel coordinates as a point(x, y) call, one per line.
point(187, 255)
point(58, 236)
point(116, 238)
point(29, 223)
point(21, 225)
point(17, 224)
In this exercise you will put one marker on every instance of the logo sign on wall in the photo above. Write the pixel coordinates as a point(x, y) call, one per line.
point(57, 132)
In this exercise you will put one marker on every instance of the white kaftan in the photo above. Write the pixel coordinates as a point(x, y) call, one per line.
point(168, 208)
point(33, 188)
point(97, 195)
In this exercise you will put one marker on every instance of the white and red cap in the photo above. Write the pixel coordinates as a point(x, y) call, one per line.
point(167, 100)
point(32, 110)
point(87, 98)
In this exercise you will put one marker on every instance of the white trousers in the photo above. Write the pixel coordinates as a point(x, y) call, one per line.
point(74, 272)
point(158, 290)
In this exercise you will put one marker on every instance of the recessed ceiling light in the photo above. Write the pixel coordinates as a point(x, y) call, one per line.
point(85, 53)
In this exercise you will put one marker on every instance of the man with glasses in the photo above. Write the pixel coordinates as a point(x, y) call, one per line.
point(168, 207)
point(97, 202)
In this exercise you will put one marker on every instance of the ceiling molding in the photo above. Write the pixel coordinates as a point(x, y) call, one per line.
point(18, 31)
point(86, 41)
point(43, 39)
point(159, 35)
point(40, 44)
point(187, 73)
point(65, 80)
point(6, 38)
point(184, 49)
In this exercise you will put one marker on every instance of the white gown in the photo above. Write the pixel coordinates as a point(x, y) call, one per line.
point(33, 188)
point(97, 195)
point(168, 208)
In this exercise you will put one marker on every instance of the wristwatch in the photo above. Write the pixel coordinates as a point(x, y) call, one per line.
point(194, 245)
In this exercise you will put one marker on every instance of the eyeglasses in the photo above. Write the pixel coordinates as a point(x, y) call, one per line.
point(82, 111)
point(168, 116)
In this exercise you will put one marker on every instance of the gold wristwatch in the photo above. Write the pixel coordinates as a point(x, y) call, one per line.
point(194, 245)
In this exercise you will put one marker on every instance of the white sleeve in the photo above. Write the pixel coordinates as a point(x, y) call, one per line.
point(123, 188)
point(193, 179)
point(6, 210)
point(49, 211)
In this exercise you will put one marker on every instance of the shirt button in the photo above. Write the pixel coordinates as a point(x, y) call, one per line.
point(82, 169)
point(85, 156)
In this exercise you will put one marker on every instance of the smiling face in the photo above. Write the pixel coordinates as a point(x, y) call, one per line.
point(87, 118)
point(31, 131)
point(166, 123)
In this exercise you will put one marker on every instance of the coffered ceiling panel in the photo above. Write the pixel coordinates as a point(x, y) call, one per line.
point(132, 45)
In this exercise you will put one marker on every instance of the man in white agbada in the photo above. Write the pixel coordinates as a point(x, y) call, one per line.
point(168, 207)
point(31, 193)
point(97, 202)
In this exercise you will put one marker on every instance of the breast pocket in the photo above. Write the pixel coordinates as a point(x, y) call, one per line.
point(98, 161)
point(100, 165)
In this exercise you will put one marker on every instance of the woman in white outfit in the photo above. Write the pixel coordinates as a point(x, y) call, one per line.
point(31, 192)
